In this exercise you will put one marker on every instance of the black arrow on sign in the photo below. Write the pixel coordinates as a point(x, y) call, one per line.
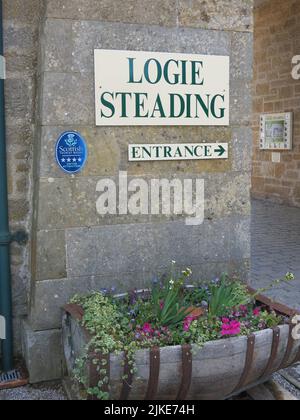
point(220, 150)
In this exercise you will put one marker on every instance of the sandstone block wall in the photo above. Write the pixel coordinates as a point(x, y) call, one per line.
point(73, 249)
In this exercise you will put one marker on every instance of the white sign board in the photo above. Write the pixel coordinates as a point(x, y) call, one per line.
point(194, 151)
point(150, 88)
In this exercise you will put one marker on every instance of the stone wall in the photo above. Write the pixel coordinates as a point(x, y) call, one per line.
point(21, 28)
point(276, 42)
point(74, 249)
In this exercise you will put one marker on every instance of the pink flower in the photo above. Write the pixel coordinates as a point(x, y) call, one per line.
point(230, 328)
point(225, 320)
point(187, 322)
point(256, 312)
point(162, 304)
point(147, 328)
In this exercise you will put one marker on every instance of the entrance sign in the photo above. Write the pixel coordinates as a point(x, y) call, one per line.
point(150, 88)
point(195, 151)
point(71, 152)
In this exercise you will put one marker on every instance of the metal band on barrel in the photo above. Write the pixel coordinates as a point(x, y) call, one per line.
point(248, 363)
point(274, 353)
point(187, 367)
point(154, 373)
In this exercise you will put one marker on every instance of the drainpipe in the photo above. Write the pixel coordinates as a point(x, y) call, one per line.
point(5, 237)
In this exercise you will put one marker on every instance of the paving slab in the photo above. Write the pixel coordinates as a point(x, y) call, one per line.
point(275, 249)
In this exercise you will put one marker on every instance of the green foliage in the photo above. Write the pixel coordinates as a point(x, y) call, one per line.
point(204, 330)
point(196, 296)
point(226, 296)
point(167, 301)
point(268, 319)
point(104, 321)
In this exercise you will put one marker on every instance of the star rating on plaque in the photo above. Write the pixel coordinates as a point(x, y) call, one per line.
point(69, 160)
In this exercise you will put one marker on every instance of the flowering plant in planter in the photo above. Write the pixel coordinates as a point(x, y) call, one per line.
point(168, 314)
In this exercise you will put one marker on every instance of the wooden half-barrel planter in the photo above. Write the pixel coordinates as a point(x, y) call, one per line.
point(218, 370)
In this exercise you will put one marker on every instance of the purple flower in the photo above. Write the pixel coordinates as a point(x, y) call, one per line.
point(103, 291)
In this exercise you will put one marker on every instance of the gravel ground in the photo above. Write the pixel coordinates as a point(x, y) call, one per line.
point(287, 385)
point(46, 392)
point(54, 391)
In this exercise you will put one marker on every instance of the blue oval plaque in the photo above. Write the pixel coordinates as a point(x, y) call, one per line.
point(71, 152)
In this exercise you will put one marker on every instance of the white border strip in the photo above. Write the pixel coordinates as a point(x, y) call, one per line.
point(2, 67)
point(2, 328)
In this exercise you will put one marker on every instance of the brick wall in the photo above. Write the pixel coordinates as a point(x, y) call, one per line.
point(276, 41)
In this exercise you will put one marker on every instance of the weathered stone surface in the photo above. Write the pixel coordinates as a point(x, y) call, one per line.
point(19, 134)
point(51, 296)
point(19, 286)
point(98, 35)
point(242, 148)
point(20, 65)
point(241, 103)
point(156, 12)
point(51, 255)
point(21, 21)
point(19, 100)
point(226, 193)
point(108, 150)
point(43, 354)
point(20, 39)
point(217, 14)
point(68, 99)
point(92, 35)
point(18, 209)
point(58, 46)
point(17, 328)
point(201, 41)
point(27, 12)
point(201, 272)
point(241, 62)
point(149, 247)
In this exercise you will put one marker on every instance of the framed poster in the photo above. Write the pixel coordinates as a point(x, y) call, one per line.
point(276, 131)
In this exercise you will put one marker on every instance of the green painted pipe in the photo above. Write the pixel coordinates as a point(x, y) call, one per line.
point(5, 237)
